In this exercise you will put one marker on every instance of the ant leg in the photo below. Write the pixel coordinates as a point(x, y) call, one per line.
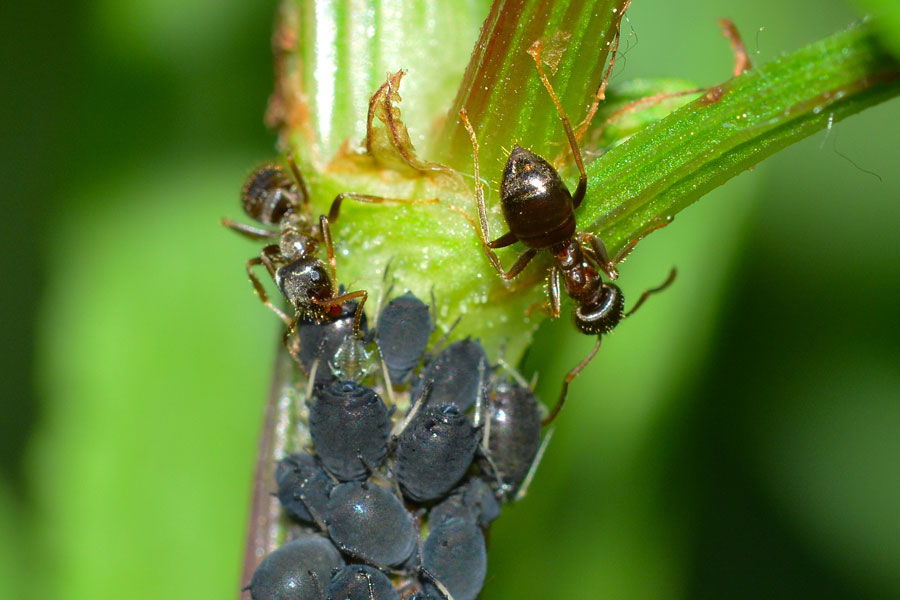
point(552, 305)
point(741, 59)
point(335, 209)
point(258, 286)
point(553, 289)
point(342, 299)
point(601, 92)
point(325, 229)
point(299, 179)
point(249, 231)
point(600, 254)
point(655, 290)
point(484, 232)
point(520, 264)
point(567, 380)
point(578, 196)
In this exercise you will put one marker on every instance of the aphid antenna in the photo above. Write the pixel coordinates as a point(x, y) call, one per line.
point(523, 488)
point(386, 288)
point(514, 373)
point(437, 346)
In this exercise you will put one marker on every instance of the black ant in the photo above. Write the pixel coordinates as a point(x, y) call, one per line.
point(540, 213)
point(273, 199)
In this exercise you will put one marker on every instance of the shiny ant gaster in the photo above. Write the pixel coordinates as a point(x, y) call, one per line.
point(271, 198)
point(540, 212)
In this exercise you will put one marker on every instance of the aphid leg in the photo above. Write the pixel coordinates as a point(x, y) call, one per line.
point(369, 584)
point(654, 290)
point(298, 177)
point(249, 231)
point(388, 386)
point(317, 518)
point(315, 579)
point(485, 234)
point(440, 586)
point(413, 411)
point(567, 380)
point(312, 378)
point(599, 254)
point(261, 291)
point(578, 196)
point(523, 488)
point(335, 210)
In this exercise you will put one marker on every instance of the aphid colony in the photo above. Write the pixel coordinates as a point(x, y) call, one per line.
point(393, 499)
point(394, 503)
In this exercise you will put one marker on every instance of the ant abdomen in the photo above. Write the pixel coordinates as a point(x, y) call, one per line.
point(536, 204)
point(269, 195)
point(602, 312)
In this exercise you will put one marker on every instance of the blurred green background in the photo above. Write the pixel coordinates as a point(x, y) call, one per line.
point(740, 439)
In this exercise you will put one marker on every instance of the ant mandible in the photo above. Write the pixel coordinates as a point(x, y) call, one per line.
point(540, 212)
point(272, 199)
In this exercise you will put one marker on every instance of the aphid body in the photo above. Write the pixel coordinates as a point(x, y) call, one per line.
point(370, 523)
point(350, 427)
point(296, 570)
point(434, 452)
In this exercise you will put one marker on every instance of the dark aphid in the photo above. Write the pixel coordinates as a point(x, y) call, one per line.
point(455, 555)
point(302, 483)
point(512, 434)
point(434, 452)
point(350, 427)
point(473, 501)
point(299, 570)
point(455, 372)
point(404, 327)
point(361, 582)
point(313, 341)
point(540, 213)
point(371, 524)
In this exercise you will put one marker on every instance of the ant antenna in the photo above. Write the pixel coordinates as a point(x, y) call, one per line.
point(299, 178)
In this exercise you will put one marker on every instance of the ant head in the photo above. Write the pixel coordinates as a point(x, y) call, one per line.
point(601, 313)
point(269, 195)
